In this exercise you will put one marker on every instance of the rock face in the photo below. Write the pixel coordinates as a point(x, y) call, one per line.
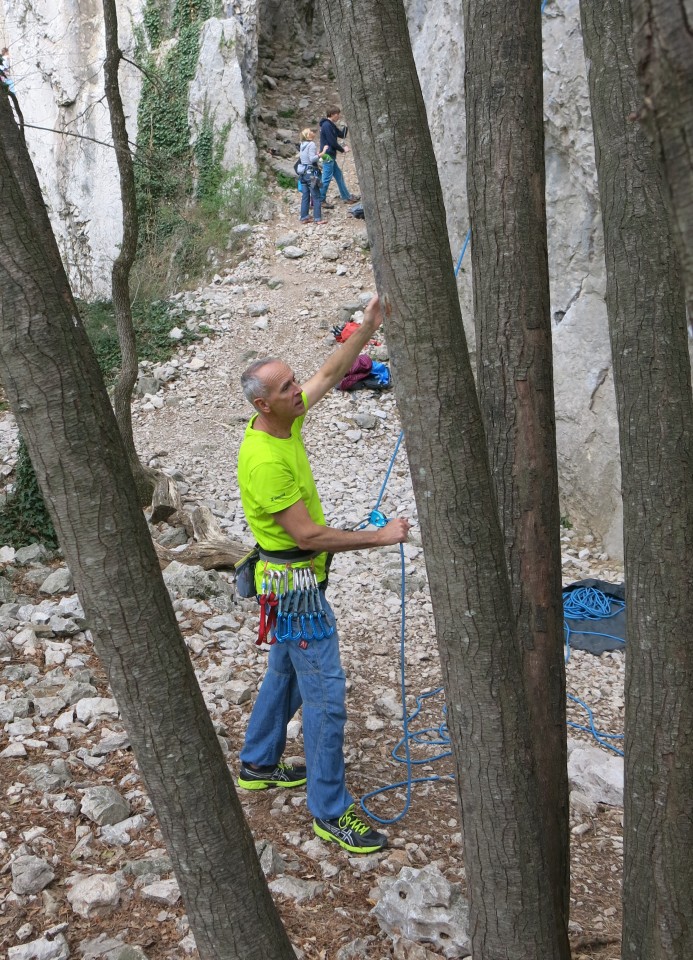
point(57, 52)
point(585, 402)
point(224, 85)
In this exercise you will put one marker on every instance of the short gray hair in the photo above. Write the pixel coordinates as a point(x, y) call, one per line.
point(252, 384)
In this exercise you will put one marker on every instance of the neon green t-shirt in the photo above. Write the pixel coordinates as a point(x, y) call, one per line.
point(274, 473)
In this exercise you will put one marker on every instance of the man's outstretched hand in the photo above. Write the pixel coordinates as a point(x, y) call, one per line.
point(373, 314)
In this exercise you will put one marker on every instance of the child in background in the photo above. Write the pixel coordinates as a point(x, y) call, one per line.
point(310, 177)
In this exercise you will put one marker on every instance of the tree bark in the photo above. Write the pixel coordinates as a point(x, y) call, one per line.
point(664, 47)
point(506, 193)
point(512, 912)
point(145, 478)
point(55, 389)
point(645, 303)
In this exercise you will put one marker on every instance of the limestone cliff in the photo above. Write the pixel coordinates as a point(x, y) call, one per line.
point(57, 52)
point(585, 401)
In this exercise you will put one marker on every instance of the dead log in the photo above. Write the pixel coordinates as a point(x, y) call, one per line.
point(211, 555)
point(166, 499)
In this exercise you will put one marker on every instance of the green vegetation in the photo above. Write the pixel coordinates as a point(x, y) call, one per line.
point(187, 202)
point(286, 114)
point(566, 523)
point(24, 518)
point(285, 181)
point(152, 325)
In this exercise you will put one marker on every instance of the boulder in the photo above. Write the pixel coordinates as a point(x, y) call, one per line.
point(45, 948)
point(423, 906)
point(30, 875)
point(191, 581)
point(104, 805)
point(595, 774)
point(60, 581)
point(96, 895)
point(7, 594)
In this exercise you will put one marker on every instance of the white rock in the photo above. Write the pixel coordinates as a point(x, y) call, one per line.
point(197, 364)
point(104, 805)
point(595, 774)
point(176, 334)
point(7, 554)
point(96, 708)
point(30, 875)
point(120, 834)
point(163, 891)
point(41, 949)
point(295, 888)
point(60, 581)
point(96, 895)
point(293, 729)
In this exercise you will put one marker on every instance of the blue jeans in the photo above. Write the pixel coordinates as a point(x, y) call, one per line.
point(306, 193)
point(329, 170)
point(313, 677)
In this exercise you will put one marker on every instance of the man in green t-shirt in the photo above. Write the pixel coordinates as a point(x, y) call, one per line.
point(283, 510)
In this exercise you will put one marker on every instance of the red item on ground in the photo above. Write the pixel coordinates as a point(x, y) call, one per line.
point(347, 331)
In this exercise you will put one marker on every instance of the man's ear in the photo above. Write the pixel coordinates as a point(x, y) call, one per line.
point(261, 405)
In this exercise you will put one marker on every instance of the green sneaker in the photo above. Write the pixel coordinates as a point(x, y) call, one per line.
point(264, 777)
point(350, 832)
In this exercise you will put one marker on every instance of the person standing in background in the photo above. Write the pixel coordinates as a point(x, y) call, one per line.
point(330, 135)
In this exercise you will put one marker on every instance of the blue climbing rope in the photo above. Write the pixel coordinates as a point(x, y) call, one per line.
point(588, 603)
point(377, 519)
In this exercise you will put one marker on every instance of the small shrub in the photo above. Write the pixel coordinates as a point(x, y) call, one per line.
point(152, 324)
point(286, 114)
point(24, 518)
point(285, 181)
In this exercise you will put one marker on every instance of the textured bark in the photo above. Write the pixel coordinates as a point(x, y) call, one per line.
point(664, 49)
point(506, 190)
point(54, 387)
point(512, 914)
point(122, 265)
point(645, 303)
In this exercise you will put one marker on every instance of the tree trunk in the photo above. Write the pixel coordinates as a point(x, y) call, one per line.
point(506, 191)
point(645, 303)
point(55, 390)
point(664, 48)
point(512, 911)
point(120, 275)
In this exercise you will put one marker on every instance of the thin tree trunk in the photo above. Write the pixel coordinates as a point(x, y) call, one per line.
point(53, 383)
point(645, 303)
point(512, 913)
point(506, 191)
point(664, 48)
point(120, 275)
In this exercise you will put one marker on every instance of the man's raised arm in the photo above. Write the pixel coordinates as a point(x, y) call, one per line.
point(338, 364)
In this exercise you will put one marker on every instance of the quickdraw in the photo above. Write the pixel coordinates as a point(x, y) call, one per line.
point(292, 615)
